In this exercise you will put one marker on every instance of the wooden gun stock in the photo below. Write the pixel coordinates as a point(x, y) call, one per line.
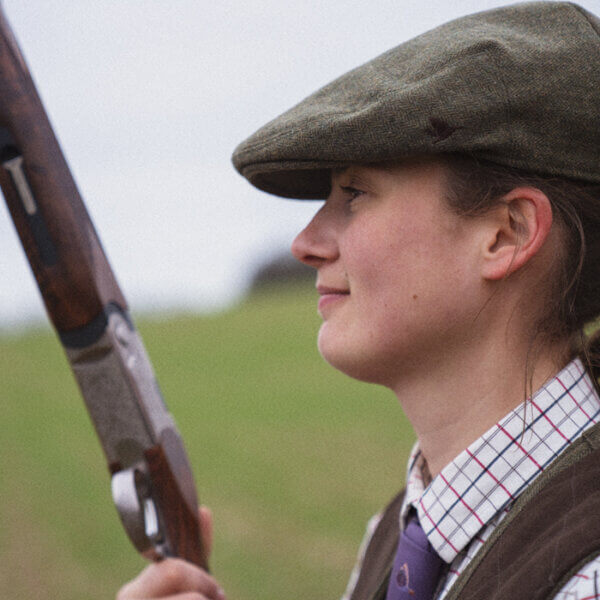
point(59, 239)
point(152, 481)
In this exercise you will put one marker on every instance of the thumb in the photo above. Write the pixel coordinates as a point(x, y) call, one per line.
point(206, 527)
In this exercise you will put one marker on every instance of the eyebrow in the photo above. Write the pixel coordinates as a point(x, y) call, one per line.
point(339, 170)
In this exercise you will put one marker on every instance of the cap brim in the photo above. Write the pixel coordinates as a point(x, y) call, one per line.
point(298, 180)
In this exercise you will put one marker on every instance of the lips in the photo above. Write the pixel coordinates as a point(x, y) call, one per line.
point(325, 290)
point(330, 296)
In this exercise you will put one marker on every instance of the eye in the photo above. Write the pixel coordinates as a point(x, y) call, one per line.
point(351, 192)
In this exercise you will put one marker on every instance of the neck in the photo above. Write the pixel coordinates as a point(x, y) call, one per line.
point(461, 397)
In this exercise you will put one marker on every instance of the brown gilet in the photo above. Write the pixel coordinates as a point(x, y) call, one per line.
point(551, 531)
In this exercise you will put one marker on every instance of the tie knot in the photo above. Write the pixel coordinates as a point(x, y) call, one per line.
point(414, 532)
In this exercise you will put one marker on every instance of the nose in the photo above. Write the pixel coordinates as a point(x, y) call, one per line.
point(316, 244)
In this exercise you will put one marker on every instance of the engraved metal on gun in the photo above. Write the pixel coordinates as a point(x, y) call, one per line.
point(129, 415)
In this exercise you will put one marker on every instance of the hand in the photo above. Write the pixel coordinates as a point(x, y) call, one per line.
point(174, 578)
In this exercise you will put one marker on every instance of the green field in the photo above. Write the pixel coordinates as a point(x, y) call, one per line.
point(291, 456)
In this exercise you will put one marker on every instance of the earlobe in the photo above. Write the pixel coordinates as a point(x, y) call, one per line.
point(518, 230)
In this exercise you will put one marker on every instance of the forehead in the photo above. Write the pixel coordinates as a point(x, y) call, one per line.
point(429, 170)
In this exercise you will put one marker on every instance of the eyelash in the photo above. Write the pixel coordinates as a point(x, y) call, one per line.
point(353, 192)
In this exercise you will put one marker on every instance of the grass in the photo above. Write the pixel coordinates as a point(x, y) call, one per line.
point(291, 456)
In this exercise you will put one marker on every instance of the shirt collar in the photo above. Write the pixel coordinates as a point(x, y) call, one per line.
point(491, 473)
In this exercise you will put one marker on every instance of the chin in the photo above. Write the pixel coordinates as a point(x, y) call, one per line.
point(357, 364)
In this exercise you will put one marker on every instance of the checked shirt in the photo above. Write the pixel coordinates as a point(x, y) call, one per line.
point(464, 503)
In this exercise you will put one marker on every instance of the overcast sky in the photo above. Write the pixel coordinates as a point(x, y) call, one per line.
point(149, 98)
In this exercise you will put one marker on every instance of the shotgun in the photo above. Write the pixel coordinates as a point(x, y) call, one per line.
point(151, 479)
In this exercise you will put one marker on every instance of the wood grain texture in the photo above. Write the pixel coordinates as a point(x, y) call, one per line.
point(174, 491)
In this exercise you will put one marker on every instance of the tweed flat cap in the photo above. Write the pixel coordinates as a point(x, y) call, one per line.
point(518, 86)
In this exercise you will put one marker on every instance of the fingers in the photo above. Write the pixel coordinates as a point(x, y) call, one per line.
point(206, 527)
point(172, 578)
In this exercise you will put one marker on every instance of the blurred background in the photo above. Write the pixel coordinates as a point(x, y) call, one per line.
point(149, 99)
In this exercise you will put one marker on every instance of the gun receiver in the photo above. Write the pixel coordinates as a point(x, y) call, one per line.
point(152, 481)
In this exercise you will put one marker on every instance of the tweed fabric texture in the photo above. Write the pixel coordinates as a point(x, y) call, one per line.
point(518, 86)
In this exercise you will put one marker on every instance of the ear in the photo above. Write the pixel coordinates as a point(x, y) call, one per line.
point(518, 229)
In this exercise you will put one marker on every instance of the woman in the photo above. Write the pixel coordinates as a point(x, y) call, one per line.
point(458, 263)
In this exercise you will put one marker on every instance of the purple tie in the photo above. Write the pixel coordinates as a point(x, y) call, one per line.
point(417, 566)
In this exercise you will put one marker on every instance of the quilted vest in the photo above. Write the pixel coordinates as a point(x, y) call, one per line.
point(551, 531)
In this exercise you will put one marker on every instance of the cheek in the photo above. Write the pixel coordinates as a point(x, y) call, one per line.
point(418, 276)
point(393, 262)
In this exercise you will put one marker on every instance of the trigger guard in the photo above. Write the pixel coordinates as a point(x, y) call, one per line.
point(134, 512)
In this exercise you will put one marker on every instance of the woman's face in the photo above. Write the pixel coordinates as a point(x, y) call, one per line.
point(397, 271)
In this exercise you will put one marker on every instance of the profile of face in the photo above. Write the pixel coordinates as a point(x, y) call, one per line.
point(398, 273)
